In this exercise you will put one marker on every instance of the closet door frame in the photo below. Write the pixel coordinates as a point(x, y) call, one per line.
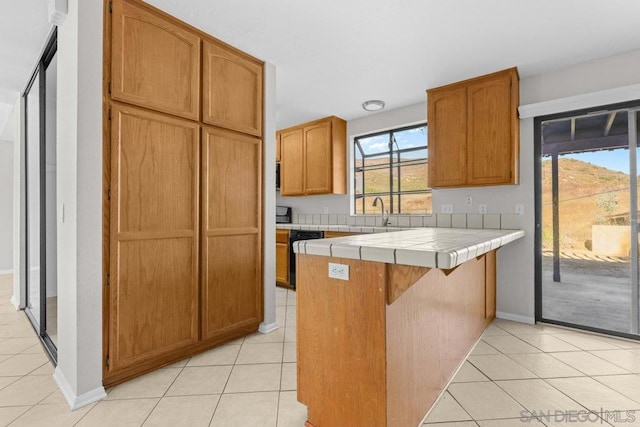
point(38, 77)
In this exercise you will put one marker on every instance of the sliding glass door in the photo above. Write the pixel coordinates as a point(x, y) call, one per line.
point(41, 206)
point(587, 220)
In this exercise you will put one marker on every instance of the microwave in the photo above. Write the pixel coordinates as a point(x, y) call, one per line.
point(277, 176)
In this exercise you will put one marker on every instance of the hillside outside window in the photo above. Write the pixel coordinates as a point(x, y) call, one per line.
point(394, 166)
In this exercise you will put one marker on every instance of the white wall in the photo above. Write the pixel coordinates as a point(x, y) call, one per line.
point(6, 206)
point(269, 200)
point(79, 188)
point(516, 261)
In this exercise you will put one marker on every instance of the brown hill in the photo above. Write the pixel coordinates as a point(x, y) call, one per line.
point(588, 194)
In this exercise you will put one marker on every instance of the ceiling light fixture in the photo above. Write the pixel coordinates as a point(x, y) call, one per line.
point(373, 105)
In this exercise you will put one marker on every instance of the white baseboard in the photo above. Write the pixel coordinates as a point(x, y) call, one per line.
point(15, 301)
point(74, 401)
point(3, 272)
point(266, 328)
point(515, 317)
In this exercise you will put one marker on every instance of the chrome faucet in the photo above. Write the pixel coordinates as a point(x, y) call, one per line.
point(385, 214)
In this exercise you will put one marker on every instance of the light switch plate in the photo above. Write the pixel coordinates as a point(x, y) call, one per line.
point(519, 209)
point(446, 209)
point(338, 271)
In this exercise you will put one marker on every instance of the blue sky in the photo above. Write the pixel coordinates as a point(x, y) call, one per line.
point(617, 160)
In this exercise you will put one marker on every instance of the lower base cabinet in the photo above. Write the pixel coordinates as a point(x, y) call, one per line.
point(282, 258)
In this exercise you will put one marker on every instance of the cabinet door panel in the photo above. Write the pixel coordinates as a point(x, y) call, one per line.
point(446, 125)
point(232, 90)
point(154, 243)
point(318, 160)
point(291, 163)
point(489, 116)
point(232, 273)
point(155, 63)
point(282, 263)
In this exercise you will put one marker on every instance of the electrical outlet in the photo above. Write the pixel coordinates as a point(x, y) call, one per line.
point(326, 210)
point(447, 209)
point(519, 209)
point(469, 200)
point(338, 271)
point(482, 209)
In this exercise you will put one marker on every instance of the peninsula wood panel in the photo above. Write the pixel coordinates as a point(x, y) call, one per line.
point(292, 163)
point(489, 112)
point(447, 113)
point(362, 358)
point(318, 158)
point(154, 241)
point(433, 323)
point(155, 62)
point(341, 342)
point(231, 211)
point(232, 89)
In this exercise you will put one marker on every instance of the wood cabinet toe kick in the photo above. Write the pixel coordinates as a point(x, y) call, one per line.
point(378, 349)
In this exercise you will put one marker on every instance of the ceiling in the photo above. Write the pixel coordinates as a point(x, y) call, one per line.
point(332, 55)
point(23, 33)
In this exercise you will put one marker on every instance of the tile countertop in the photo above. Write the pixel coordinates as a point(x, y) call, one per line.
point(425, 247)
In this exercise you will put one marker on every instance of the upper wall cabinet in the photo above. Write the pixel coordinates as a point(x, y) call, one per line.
point(474, 133)
point(313, 158)
point(155, 63)
point(232, 90)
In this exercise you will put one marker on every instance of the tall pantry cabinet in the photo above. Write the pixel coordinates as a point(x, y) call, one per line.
point(182, 191)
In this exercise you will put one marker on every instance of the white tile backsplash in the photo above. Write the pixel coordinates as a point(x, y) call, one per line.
point(459, 221)
point(430, 220)
point(404, 221)
point(474, 221)
point(443, 220)
point(494, 221)
point(416, 221)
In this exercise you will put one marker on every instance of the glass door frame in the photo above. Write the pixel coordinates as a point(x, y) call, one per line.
point(633, 109)
point(38, 77)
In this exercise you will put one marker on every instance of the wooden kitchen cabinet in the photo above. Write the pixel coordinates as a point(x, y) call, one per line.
point(291, 162)
point(282, 258)
point(313, 158)
point(232, 89)
point(231, 227)
point(182, 200)
point(474, 131)
point(154, 244)
point(278, 147)
point(155, 63)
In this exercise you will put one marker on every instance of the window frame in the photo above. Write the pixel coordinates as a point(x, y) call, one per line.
point(393, 163)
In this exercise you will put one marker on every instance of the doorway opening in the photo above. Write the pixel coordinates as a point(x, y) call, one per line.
point(587, 219)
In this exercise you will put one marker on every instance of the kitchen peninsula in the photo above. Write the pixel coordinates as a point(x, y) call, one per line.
point(378, 341)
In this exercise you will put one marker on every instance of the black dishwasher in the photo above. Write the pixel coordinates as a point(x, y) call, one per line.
point(294, 236)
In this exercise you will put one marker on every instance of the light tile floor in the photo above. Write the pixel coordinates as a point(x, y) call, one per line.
point(248, 382)
point(519, 375)
point(252, 381)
